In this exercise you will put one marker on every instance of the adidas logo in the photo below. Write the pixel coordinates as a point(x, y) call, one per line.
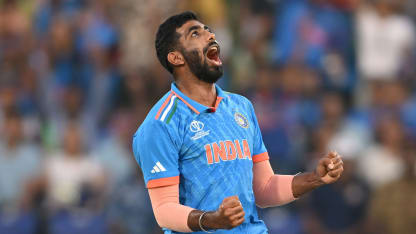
point(158, 168)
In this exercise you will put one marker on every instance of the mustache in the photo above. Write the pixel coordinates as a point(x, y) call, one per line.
point(209, 45)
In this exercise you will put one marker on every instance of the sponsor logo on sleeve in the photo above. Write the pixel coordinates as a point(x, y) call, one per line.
point(158, 167)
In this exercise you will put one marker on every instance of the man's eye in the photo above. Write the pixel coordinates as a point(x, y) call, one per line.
point(195, 34)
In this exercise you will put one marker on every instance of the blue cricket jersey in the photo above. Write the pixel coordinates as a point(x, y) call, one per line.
point(208, 151)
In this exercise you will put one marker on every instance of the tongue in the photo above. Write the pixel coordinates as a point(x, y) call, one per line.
point(215, 59)
point(212, 54)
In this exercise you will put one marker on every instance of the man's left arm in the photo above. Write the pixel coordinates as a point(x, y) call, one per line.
point(273, 190)
point(328, 170)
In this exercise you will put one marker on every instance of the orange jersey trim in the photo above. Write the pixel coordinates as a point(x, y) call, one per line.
point(189, 105)
point(163, 106)
point(260, 157)
point(217, 102)
point(163, 182)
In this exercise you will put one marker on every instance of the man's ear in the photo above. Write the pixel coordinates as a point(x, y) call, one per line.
point(176, 58)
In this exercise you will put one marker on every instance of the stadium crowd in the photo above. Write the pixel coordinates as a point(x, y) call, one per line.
point(77, 78)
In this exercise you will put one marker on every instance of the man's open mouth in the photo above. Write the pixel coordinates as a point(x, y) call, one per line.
point(213, 54)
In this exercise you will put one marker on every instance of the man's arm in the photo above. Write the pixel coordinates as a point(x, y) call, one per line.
point(230, 214)
point(328, 171)
point(174, 216)
point(273, 190)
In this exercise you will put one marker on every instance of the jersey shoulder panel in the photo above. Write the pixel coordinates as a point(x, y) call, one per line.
point(170, 110)
point(167, 117)
point(158, 110)
point(240, 100)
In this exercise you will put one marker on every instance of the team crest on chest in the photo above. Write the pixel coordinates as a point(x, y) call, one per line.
point(241, 120)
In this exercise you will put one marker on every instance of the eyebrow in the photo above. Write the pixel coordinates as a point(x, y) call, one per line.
point(195, 27)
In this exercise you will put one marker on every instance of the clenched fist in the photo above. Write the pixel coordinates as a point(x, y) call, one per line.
point(330, 168)
point(230, 214)
point(328, 171)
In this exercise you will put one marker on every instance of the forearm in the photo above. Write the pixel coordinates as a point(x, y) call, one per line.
point(209, 221)
point(277, 192)
point(271, 189)
point(182, 218)
point(305, 182)
point(174, 216)
point(167, 210)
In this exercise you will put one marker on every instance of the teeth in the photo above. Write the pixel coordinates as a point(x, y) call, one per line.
point(213, 50)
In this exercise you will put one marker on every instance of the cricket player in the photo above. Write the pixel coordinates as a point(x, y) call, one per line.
point(200, 148)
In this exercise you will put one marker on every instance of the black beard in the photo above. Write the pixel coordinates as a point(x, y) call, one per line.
point(202, 70)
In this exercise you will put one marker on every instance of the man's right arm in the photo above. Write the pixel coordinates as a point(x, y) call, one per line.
point(174, 216)
point(163, 186)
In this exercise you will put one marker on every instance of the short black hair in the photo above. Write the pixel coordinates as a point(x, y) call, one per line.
point(167, 37)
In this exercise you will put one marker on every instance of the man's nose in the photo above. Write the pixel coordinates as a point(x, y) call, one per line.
point(211, 36)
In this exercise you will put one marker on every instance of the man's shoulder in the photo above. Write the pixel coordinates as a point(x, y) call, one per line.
point(156, 111)
point(164, 115)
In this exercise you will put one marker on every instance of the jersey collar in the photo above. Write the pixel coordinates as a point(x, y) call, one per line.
point(195, 106)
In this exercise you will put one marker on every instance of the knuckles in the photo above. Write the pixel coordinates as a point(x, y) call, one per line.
point(230, 203)
point(227, 215)
point(231, 212)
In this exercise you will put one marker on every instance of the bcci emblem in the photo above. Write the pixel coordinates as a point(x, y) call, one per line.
point(241, 120)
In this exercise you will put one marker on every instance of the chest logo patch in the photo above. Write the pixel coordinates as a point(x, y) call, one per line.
point(241, 120)
point(198, 128)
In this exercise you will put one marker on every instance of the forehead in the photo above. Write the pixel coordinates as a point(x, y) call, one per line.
point(185, 27)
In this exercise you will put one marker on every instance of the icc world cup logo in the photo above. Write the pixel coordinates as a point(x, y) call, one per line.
point(196, 126)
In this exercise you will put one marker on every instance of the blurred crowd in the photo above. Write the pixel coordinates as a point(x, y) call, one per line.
point(79, 76)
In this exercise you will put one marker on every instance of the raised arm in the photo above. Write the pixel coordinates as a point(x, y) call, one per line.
point(273, 190)
point(328, 170)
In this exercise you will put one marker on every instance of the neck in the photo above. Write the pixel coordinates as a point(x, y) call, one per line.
point(199, 91)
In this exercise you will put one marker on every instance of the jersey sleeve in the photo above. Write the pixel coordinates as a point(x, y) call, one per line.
point(156, 150)
point(259, 149)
